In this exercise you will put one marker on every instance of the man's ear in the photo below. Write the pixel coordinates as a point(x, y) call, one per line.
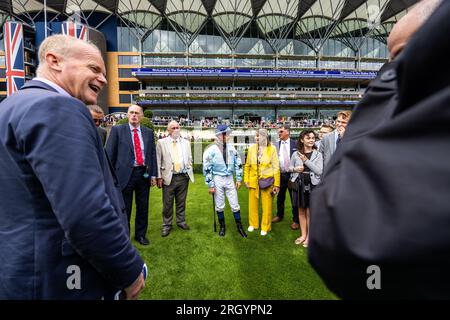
point(53, 61)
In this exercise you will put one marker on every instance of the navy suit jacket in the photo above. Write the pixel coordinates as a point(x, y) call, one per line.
point(293, 146)
point(120, 150)
point(60, 207)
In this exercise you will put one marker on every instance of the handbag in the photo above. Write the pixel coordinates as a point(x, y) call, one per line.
point(293, 185)
point(265, 182)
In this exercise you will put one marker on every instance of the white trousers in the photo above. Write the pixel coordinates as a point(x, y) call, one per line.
point(225, 187)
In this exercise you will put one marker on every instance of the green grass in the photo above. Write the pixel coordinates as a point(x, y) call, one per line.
point(198, 264)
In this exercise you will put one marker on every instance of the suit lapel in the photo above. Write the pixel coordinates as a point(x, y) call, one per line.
point(145, 138)
point(167, 145)
point(333, 141)
point(128, 138)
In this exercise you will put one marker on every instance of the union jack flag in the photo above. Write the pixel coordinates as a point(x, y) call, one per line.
point(76, 30)
point(14, 56)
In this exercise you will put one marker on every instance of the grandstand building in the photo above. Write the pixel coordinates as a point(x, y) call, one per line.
point(223, 59)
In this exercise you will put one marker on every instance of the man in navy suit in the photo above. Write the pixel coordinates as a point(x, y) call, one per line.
point(131, 149)
point(63, 230)
point(285, 147)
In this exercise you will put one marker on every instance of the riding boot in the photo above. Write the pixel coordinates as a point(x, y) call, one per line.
point(240, 229)
point(222, 227)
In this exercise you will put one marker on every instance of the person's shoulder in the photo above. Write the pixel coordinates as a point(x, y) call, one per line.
point(147, 130)
point(50, 98)
point(119, 127)
point(185, 142)
point(163, 140)
point(316, 154)
point(272, 147)
point(56, 107)
point(210, 148)
point(329, 135)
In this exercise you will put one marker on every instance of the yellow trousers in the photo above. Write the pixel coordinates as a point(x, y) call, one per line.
point(253, 208)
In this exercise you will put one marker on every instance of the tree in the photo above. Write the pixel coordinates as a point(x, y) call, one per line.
point(146, 122)
point(148, 113)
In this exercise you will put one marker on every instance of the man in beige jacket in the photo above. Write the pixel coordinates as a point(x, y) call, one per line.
point(174, 158)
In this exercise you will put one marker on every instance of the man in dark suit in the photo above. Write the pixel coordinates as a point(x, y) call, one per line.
point(98, 116)
point(131, 149)
point(380, 221)
point(285, 147)
point(63, 230)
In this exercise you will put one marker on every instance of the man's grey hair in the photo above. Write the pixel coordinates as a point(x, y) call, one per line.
point(136, 105)
point(285, 127)
point(62, 45)
point(171, 122)
point(95, 108)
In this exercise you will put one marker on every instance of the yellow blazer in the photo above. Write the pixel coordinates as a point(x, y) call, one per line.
point(269, 166)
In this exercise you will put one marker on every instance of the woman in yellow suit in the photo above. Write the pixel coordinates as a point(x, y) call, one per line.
point(261, 163)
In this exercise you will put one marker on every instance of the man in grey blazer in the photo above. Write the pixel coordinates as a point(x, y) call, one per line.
point(174, 158)
point(332, 139)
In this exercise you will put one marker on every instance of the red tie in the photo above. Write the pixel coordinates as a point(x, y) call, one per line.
point(137, 149)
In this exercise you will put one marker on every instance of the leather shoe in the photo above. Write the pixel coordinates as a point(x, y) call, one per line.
point(165, 232)
point(143, 241)
point(295, 226)
point(183, 226)
point(276, 219)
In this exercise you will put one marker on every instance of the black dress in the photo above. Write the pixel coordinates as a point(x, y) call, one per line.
point(301, 197)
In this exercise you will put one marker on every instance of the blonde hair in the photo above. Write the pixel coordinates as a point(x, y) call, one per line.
point(346, 115)
point(264, 133)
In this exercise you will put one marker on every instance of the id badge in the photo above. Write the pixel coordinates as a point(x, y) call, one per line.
point(146, 175)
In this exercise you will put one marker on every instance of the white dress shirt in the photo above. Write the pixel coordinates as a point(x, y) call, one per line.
point(284, 145)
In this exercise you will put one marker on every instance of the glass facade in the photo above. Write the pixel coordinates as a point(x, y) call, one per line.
point(249, 52)
point(220, 113)
point(125, 73)
point(129, 59)
point(296, 113)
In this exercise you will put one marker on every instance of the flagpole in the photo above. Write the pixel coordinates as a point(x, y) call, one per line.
point(45, 17)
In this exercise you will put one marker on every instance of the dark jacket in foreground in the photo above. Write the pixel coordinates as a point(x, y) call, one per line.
point(385, 196)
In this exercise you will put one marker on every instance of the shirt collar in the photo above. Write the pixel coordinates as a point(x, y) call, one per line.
point(53, 85)
point(287, 141)
point(132, 128)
